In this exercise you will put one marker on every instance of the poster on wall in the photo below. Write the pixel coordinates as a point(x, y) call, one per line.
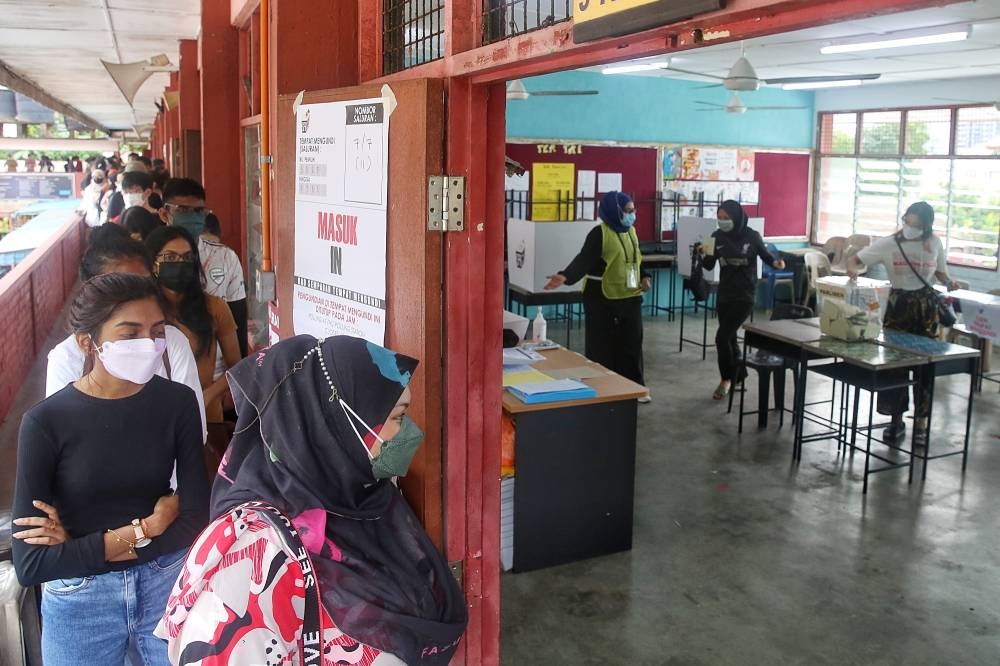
point(341, 186)
point(552, 191)
point(704, 163)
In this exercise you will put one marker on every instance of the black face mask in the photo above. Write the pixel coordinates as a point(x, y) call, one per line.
point(178, 276)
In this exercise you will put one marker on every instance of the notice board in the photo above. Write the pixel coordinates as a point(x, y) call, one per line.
point(637, 167)
point(39, 186)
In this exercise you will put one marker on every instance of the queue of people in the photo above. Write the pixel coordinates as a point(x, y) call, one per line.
point(114, 467)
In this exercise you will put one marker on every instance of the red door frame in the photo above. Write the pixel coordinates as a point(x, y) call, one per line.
point(474, 148)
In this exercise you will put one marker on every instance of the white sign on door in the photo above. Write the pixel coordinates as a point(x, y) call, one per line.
point(341, 180)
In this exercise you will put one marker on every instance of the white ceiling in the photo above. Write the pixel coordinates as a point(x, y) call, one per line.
point(59, 44)
point(797, 53)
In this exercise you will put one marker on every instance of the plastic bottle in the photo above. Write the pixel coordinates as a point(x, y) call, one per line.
point(539, 327)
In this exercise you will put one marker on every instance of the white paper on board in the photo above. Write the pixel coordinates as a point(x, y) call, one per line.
point(609, 182)
point(586, 190)
point(517, 188)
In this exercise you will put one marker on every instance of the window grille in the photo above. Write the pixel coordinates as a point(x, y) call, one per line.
point(412, 33)
point(503, 19)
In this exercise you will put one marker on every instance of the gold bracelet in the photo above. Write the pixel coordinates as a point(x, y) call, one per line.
point(130, 544)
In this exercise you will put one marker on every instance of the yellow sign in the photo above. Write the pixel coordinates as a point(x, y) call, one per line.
point(588, 10)
point(552, 191)
point(595, 19)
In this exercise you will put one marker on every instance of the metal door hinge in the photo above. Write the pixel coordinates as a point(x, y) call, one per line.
point(456, 571)
point(446, 203)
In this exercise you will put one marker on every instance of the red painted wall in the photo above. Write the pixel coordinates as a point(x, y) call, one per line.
point(637, 166)
point(784, 193)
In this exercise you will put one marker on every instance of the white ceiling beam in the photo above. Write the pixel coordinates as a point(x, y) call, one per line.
point(25, 86)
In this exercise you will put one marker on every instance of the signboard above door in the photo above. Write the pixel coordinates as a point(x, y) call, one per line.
point(594, 19)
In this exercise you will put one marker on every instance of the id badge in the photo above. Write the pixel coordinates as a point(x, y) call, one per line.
point(632, 281)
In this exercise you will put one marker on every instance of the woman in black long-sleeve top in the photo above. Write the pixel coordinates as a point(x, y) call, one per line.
point(92, 492)
point(737, 248)
point(612, 294)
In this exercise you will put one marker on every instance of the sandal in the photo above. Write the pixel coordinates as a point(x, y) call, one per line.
point(721, 391)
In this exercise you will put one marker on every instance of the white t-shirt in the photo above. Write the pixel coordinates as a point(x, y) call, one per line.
point(926, 256)
point(66, 366)
point(223, 271)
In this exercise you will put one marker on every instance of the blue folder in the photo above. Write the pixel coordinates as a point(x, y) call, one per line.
point(559, 390)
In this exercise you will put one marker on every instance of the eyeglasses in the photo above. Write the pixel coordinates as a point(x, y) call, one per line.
point(180, 208)
point(174, 258)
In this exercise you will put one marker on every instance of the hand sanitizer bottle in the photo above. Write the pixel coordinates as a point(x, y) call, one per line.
point(539, 327)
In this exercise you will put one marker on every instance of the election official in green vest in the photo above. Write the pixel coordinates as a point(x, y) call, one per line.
point(611, 265)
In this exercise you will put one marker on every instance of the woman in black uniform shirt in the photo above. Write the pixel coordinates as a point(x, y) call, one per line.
point(94, 463)
point(737, 247)
point(612, 294)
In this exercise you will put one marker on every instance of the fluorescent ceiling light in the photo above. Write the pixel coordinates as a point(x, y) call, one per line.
point(638, 67)
point(900, 40)
point(816, 85)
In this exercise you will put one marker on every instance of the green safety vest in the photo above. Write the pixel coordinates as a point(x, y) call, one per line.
point(621, 255)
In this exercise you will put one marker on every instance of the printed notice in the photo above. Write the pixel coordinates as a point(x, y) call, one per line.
point(340, 219)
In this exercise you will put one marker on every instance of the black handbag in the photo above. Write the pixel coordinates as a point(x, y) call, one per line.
point(696, 284)
point(946, 313)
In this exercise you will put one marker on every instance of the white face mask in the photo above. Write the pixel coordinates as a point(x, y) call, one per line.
point(726, 225)
point(134, 199)
point(912, 233)
point(135, 360)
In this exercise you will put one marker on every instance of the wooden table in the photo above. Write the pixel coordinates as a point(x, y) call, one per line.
point(525, 298)
point(575, 469)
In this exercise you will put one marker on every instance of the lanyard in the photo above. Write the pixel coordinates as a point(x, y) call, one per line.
point(632, 243)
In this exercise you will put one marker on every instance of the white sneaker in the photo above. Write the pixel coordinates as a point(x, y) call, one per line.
point(646, 399)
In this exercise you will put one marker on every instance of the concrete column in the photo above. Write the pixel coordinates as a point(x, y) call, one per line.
point(220, 119)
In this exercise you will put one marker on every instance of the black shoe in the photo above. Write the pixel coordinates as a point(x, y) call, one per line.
point(894, 433)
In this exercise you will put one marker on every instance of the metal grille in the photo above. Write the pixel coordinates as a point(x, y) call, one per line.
point(508, 18)
point(412, 33)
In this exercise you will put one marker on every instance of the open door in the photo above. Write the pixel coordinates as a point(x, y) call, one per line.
point(414, 309)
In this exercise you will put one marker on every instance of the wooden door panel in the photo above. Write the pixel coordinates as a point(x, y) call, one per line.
point(414, 261)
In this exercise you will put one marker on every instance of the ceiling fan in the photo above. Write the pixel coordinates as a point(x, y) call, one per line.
point(996, 104)
point(736, 105)
point(517, 91)
point(743, 77)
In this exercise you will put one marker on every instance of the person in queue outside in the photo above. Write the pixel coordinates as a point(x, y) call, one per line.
point(611, 262)
point(93, 198)
point(155, 199)
point(913, 256)
point(323, 429)
point(184, 206)
point(111, 251)
point(134, 187)
point(736, 249)
point(98, 525)
point(140, 222)
point(204, 319)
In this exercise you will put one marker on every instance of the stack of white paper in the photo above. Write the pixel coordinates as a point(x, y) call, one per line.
point(507, 523)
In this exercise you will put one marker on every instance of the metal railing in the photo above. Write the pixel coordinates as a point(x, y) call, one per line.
point(503, 19)
point(413, 33)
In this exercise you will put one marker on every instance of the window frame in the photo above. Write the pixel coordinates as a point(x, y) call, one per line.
point(900, 158)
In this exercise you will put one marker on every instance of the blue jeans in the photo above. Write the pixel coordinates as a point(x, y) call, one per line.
point(93, 620)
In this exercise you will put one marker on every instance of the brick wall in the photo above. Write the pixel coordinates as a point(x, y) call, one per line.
point(31, 297)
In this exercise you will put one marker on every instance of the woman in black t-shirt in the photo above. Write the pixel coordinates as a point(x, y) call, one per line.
point(736, 248)
point(92, 496)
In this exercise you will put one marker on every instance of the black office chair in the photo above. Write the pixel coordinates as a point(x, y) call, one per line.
point(768, 365)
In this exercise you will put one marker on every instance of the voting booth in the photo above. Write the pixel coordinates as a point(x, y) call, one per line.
point(536, 250)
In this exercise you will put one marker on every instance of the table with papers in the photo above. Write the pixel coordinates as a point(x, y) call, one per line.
point(572, 495)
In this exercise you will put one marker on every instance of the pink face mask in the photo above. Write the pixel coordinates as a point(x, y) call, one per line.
point(135, 360)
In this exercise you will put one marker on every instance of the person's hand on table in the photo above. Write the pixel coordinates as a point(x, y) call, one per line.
point(555, 281)
point(953, 285)
point(646, 284)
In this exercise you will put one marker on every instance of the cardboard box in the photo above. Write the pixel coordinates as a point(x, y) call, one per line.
point(865, 293)
point(536, 250)
point(516, 323)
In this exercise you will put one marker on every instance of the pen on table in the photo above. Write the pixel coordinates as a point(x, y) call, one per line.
point(526, 354)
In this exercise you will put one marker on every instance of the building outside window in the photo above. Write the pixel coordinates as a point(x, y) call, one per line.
point(873, 164)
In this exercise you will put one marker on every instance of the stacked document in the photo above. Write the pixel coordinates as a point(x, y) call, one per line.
point(557, 390)
point(507, 523)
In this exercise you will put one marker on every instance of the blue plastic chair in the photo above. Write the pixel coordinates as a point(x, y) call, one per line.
point(772, 276)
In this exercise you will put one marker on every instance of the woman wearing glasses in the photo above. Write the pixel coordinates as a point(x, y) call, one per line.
point(205, 320)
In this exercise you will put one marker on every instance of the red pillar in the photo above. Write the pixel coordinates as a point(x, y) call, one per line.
point(220, 127)
point(189, 84)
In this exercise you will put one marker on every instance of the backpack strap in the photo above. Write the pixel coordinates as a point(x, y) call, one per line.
point(166, 364)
